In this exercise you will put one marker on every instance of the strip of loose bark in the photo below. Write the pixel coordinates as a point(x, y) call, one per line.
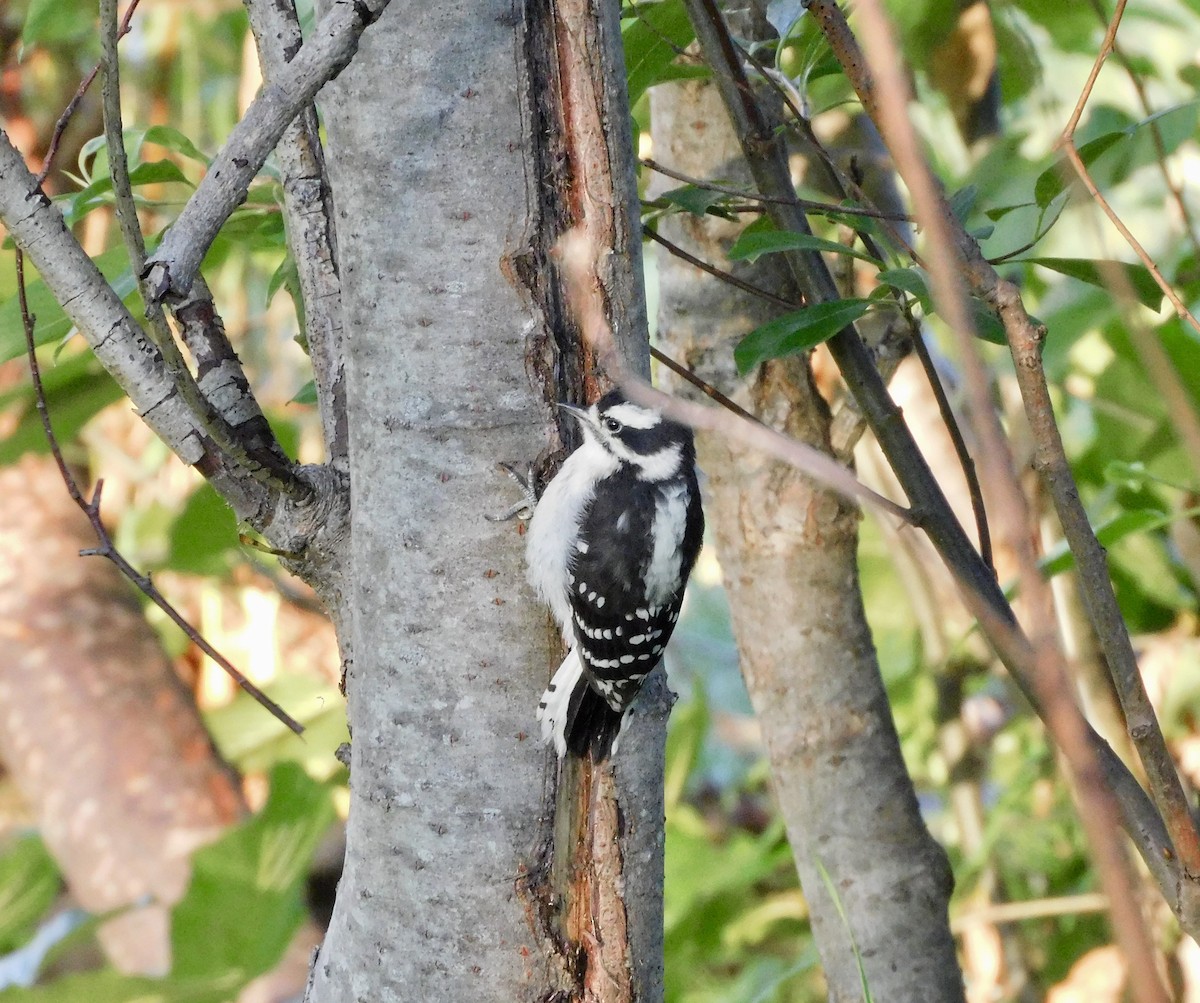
point(311, 233)
point(604, 923)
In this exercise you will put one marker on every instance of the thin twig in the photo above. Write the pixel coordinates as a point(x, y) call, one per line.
point(73, 105)
point(702, 385)
point(1017, 912)
point(91, 508)
point(749, 196)
point(717, 273)
point(1067, 141)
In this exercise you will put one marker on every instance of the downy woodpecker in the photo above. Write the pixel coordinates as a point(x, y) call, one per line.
point(610, 547)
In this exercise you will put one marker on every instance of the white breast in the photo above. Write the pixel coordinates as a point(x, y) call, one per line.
point(670, 520)
point(554, 528)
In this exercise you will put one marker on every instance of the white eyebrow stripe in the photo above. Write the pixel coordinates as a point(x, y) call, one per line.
point(633, 416)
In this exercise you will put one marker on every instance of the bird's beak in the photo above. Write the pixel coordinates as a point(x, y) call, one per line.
point(578, 413)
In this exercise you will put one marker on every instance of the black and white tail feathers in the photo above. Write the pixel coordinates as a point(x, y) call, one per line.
point(575, 717)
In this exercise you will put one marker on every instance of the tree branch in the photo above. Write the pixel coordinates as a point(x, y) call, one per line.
point(91, 508)
point(134, 361)
point(767, 161)
point(269, 464)
point(173, 266)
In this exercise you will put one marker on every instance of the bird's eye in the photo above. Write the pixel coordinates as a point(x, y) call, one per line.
point(612, 425)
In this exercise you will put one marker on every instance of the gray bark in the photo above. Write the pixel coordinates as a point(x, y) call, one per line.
point(788, 551)
point(448, 347)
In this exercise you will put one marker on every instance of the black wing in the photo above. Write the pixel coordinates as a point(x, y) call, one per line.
point(620, 635)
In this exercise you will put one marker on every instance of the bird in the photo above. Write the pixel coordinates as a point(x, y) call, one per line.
point(610, 546)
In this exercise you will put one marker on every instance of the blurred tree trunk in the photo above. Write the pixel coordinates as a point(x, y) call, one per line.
point(445, 193)
point(877, 884)
point(97, 730)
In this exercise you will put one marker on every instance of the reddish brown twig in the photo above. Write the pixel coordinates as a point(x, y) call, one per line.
point(91, 508)
point(73, 105)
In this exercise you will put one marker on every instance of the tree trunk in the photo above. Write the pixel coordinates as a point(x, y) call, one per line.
point(96, 729)
point(877, 884)
point(452, 355)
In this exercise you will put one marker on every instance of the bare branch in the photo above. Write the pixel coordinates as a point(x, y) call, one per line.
point(704, 266)
point(172, 268)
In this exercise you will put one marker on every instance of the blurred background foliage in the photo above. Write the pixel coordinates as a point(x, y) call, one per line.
point(1026, 905)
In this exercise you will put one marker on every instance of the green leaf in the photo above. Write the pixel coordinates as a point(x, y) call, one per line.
point(1094, 272)
point(52, 323)
point(749, 246)
point(307, 394)
point(911, 281)
point(685, 736)
point(203, 535)
point(254, 741)
point(113, 987)
point(1174, 124)
point(95, 194)
point(962, 202)
point(48, 21)
point(691, 198)
point(1059, 558)
point(29, 884)
point(652, 39)
point(173, 139)
point(76, 389)
point(987, 326)
point(797, 331)
point(245, 900)
point(1055, 179)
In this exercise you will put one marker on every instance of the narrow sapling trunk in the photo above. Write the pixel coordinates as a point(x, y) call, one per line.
point(876, 883)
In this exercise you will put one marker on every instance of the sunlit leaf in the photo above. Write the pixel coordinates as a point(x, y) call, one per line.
point(173, 139)
point(52, 323)
point(251, 879)
point(29, 883)
point(76, 388)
